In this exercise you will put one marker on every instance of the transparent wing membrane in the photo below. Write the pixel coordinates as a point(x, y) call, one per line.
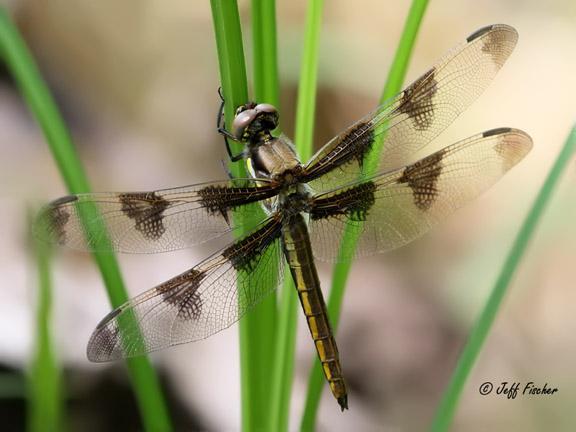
point(418, 114)
point(197, 303)
point(390, 210)
point(156, 221)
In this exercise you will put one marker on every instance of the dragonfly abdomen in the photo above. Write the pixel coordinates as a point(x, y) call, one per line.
point(298, 251)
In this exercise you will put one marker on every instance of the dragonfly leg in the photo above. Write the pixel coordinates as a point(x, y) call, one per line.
point(221, 128)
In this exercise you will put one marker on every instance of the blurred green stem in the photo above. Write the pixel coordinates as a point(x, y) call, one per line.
point(23, 68)
point(342, 268)
point(449, 402)
point(45, 401)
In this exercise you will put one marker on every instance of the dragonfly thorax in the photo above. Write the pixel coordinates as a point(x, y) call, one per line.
point(275, 159)
point(295, 199)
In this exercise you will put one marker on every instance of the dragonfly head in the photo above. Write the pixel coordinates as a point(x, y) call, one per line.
point(252, 120)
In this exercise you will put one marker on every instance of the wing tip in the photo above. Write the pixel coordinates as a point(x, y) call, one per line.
point(102, 346)
point(489, 28)
point(48, 224)
point(94, 352)
point(512, 144)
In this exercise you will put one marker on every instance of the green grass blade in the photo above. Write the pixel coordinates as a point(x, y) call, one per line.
point(399, 66)
point(306, 105)
point(255, 341)
point(342, 268)
point(231, 63)
point(45, 401)
point(266, 80)
point(263, 320)
point(18, 59)
point(305, 112)
point(478, 335)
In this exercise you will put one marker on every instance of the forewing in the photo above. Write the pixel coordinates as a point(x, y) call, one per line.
point(147, 222)
point(418, 114)
point(392, 209)
point(197, 303)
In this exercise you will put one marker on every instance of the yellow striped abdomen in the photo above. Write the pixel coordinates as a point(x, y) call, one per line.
point(298, 251)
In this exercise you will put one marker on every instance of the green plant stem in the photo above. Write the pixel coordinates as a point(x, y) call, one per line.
point(478, 335)
point(342, 268)
point(266, 80)
point(16, 55)
point(305, 112)
point(232, 65)
point(263, 320)
point(257, 327)
point(44, 381)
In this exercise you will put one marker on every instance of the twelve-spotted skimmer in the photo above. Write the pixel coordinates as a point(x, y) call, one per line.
point(308, 207)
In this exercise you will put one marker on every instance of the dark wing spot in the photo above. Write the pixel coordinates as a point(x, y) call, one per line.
point(146, 210)
point(221, 199)
point(479, 33)
point(357, 141)
point(182, 292)
point(417, 102)
point(245, 253)
point(354, 203)
point(422, 178)
point(64, 200)
point(497, 131)
point(216, 199)
point(111, 315)
point(353, 144)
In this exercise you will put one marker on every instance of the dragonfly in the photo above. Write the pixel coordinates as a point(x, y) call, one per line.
point(308, 209)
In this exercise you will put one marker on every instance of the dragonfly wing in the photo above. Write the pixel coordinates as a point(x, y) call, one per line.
point(392, 209)
point(414, 117)
point(149, 222)
point(197, 303)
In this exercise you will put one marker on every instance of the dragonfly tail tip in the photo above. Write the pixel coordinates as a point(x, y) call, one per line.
point(343, 402)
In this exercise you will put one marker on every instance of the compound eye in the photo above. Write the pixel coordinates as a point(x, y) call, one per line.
point(246, 106)
point(242, 121)
point(266, 108)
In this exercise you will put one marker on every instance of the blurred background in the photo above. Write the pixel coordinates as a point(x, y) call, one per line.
point(137, 81)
